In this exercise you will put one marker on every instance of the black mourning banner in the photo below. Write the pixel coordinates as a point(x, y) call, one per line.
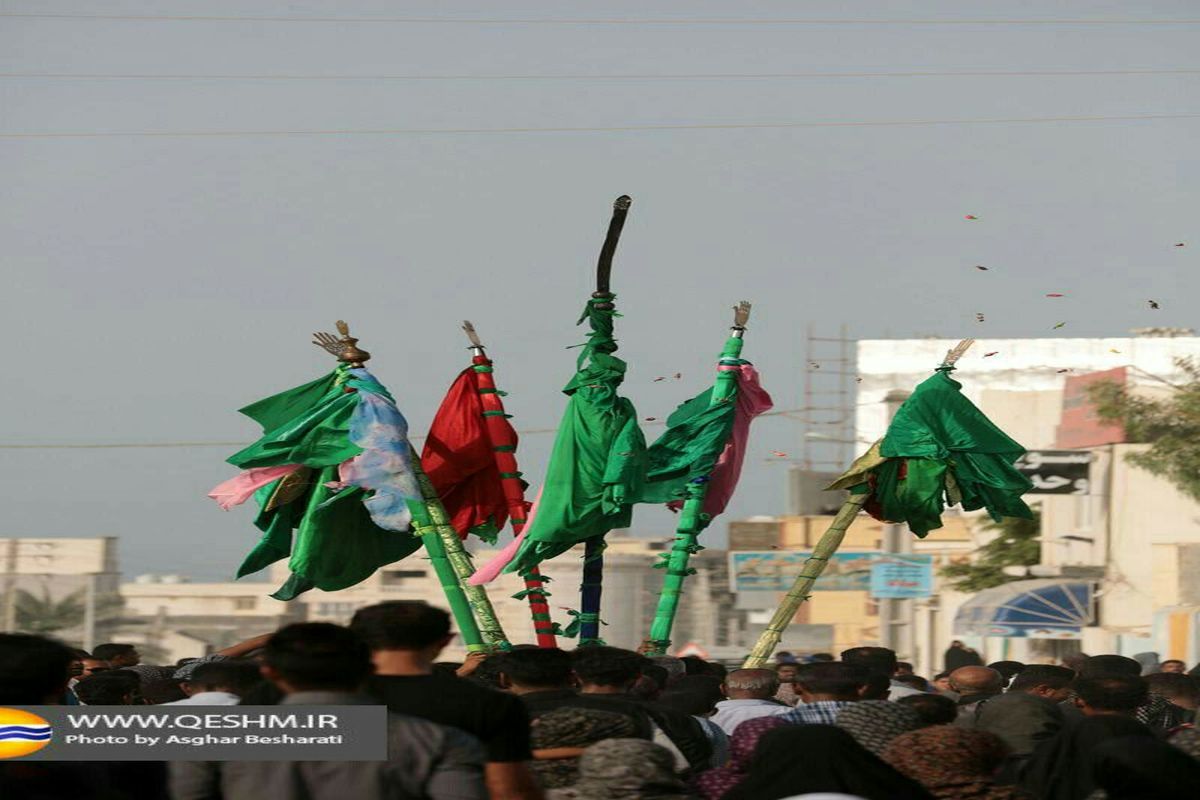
point(1057, 471)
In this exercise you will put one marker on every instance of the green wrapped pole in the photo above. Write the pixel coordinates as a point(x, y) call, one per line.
point(692, 519)
point(425, 527)
point(460, 563)
point(813, 567)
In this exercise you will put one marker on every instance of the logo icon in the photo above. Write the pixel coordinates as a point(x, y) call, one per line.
point(22, 733)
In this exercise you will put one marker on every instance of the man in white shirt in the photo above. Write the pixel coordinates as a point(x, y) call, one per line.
point(751, 695)
point(219, 683)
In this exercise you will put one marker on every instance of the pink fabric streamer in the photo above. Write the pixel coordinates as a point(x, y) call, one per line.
point(752, 400)
point(242, 487)
point(492, 569)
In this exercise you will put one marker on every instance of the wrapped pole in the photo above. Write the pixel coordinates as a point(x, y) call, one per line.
point(813, 567)
point(504, 448)
point(692, 519)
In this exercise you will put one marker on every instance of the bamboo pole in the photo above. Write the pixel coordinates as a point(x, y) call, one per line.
point(504, 451)
point(692, 520)
point(813, 567)
point(460, 562)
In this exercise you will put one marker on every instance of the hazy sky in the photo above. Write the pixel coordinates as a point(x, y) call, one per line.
point(154, 285)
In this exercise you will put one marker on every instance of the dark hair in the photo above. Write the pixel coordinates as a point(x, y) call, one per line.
point(1172, 661)
point(693, 694)
point(877, 687)
point(107, 652)
point(318, 655)
point(915, 681)
point(1097, 666)
point(821, 657)
point(1113, 692)
point(236, 675)
point(446, 668)
point(85, 654)
point(607, 666)
point(32, 669)
point(933, 709)
point(1009, 669)
point(401, 625)
point(875, 659)
point(831, 677)
point(694, 665)
point(941, 675)
point(164, 690)
point(108, 688)
point(1174, 685)
point(540, 668)
point(904, 665)
point(658, 674)
point(1042, 675)
point(487, 673)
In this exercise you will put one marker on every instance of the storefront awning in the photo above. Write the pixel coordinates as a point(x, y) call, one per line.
point(1049, 608)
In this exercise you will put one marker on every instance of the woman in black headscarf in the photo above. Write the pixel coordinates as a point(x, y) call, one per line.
point(1061, 768)
point(803, 759)
point(1137, 768)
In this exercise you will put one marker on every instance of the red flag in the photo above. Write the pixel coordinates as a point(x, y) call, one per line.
point(460, 462)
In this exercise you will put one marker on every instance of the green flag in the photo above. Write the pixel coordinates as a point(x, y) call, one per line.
point(696, 434)
point(598, 463)
point(939, 449)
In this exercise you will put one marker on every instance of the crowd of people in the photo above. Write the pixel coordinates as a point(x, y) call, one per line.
point(602, 722)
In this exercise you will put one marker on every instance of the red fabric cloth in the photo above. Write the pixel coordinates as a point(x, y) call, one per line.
point(460, 462)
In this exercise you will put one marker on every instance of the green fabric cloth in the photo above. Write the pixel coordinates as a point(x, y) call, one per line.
point(687, 451)
point(940, 447)
point(329, 535)
point(598, 464)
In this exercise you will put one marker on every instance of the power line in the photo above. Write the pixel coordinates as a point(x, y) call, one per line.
point(786, 412)
point(594, 21)
point(716, 126)
point(615, 77)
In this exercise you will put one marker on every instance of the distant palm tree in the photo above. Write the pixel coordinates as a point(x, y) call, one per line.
point(44, 615)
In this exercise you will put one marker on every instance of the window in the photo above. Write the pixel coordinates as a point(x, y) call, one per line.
point(245, 603)
point(335, 609)
point(392, 577)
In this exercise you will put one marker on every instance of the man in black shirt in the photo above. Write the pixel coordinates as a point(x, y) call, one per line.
point(543, 680)
point(405, 639)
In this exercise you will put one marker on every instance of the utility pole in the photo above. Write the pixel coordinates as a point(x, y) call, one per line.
point(896, 617)
point(89, 614)
point(10, 587)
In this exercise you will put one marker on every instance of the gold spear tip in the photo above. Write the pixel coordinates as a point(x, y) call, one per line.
point(345, 348)
point(471, 334)
point(741, 314)
point(957, 352)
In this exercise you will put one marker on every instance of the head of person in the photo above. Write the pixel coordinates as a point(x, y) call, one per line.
point(76, 668)
point(743, 742)
point(957, 644)
point(164, 690)
point(933, 709)
point(878, 687)
point(118, 655)
point(606, 669)
point(914, 681)
point(785, 657)
point(1097, 666)
point(93, 666)
point(232, 676)
point(786, 673)
point(536, 670)
point(831, 680)
point(410, 626)
point(821, 657)
point(1007, 669)
point(948, 757)
point(875, 659)
point(694, 665)
point(33, 671)
point(796, 760)
point(1044, 680)
point(1182, 690)
point(968, 681)
point(316, 656)
point(751, 684)
point(113, 688)
point(697, 695)
point(904, 668)
point(1173, 665)
point(675, 667)
point(652, 683)
point(627, 768)
point(874, 723)
point(941, 682)
point(1117, 695)
point(1075, 661)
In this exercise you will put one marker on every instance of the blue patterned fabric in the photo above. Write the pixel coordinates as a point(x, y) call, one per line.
point(822, 712)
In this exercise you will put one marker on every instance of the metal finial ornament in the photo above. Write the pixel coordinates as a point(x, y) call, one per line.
point(741, 315)
point(345, 348)
point(469, 329)
point(957, 352)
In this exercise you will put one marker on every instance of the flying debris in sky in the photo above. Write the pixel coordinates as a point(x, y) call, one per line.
point(1153, 304)
point(678, 375)
point(970, 216)
point(981, 267)
point(659, 378)
point(993, 353)
point(1180, 244)
point(858, 379)
point(1055, 294)
point(1062, 371)
point(979, 317)
point(1059, 325)
point(814, 365)
point(651, 419)
point(1113, 350)
point(779, 454)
